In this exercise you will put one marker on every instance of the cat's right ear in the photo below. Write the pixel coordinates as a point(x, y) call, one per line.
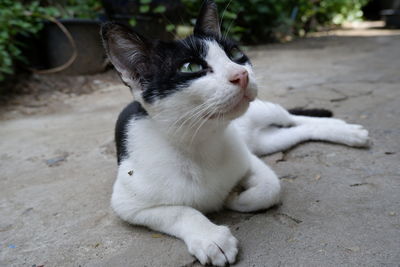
point(128, 52)
point(207, 22)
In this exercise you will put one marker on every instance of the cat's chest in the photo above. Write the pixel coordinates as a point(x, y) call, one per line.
point(202, 179)
point(206, 184)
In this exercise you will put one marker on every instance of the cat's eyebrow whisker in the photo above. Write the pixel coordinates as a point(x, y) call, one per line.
point(228, 29)
point(223, 13)
point(191, 40)
point(176, 37)
point(185, 44)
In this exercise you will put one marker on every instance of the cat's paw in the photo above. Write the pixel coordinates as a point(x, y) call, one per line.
point(215, 246)
point(354, 135)
point(255, 198)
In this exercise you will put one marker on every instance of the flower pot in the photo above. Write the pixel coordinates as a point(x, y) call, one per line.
point(391, 17)
point(85, 34)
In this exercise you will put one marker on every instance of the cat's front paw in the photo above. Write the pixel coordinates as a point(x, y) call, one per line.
point(356, 136)
point(215, 246)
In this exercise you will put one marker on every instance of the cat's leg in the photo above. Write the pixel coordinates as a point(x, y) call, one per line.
point(261, 189)
point(277, 139)
point(300, 120)
point(208, 242)
point(268, 128)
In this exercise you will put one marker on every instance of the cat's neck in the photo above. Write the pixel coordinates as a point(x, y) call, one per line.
point(194, 137)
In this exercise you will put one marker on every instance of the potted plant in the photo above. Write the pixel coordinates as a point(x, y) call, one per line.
point(391, 13)
point(71, 43)
point(18, 23)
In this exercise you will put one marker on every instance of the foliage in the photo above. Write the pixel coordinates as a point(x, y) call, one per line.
point(254, 21)
point(149, 6)
point(83, 9)
point(24, 18)
point(17, 19)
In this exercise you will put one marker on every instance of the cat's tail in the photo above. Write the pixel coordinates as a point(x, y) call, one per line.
point(311, 112)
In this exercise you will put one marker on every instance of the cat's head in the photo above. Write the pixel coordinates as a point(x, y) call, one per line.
point(203, 76)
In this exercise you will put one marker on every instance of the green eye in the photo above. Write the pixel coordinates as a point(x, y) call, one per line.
point(189, 67)
point(236, 54)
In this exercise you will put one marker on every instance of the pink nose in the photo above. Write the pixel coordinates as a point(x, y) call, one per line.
point(240, 78)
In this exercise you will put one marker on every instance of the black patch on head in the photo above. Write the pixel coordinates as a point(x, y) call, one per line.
point(167, 58)
point(227, 45)
point(132, 111)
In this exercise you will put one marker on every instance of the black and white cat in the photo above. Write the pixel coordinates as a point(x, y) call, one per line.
point(193, 134)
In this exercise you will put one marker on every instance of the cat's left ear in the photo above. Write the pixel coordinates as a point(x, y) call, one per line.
point(208, 21)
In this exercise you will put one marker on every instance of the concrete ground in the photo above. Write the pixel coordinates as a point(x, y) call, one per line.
point(341, 206)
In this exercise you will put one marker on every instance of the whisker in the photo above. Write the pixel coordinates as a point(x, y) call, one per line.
point(189, 115)
point(197, 118)
point(212, 113)
point(223, 13)
point(202, 123)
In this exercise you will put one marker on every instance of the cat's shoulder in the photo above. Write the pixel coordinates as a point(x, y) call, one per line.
point(132, 111)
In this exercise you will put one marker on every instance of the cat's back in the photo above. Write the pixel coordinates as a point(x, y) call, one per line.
point(133, 111)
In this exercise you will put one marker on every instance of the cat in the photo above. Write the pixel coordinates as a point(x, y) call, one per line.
point(194, 132)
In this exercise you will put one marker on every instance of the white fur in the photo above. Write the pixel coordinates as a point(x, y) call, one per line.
point(186, 162)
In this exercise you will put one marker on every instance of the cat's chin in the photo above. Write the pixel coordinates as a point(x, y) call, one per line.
point(235, 111)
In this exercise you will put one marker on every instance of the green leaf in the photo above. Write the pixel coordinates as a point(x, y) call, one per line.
point(170, 27)
point(145, 2)
point(133, 22)
point(144, 9)
point(159, 9)
point(230, 15)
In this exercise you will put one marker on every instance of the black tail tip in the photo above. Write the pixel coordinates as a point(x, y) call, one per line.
point(311, 112)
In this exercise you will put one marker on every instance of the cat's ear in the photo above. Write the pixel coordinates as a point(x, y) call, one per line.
point(128, 52)
point(208, 22)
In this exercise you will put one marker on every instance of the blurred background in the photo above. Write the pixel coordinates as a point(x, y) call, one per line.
point(48, 36)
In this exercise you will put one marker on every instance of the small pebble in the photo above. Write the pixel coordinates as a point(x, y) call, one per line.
point(353, 249)
point(156, 236)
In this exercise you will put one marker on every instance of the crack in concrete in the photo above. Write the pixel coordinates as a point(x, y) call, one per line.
point(360, 184)
point(285, 216)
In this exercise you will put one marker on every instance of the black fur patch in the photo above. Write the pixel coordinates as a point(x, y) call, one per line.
point(311, 112)
point(132, 111)
point(166, 60)
point(228, 45)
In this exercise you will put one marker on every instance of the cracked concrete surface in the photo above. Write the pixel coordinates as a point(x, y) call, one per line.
point(341, 206)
